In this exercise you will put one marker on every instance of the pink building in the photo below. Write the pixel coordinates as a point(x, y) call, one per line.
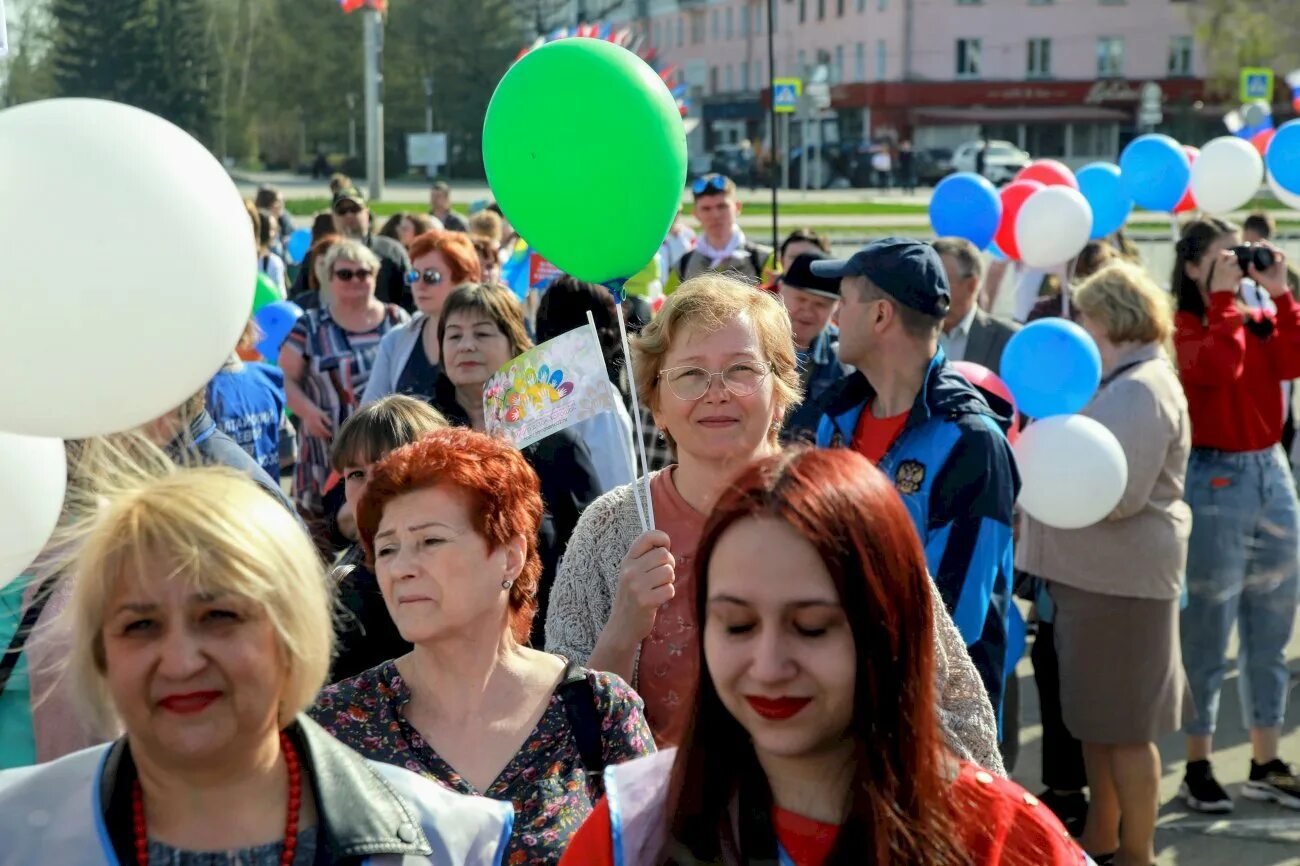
point(1060, 78)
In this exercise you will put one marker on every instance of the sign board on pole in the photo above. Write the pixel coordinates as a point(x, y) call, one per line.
point(785, 94)
point(1256, 83)
point(428, 149)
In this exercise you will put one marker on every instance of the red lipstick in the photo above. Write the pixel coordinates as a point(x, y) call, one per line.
point(777, 709)
point(188, 703)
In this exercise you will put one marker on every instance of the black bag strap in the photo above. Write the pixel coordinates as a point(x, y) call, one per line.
point(9, 660)
point(580, 708)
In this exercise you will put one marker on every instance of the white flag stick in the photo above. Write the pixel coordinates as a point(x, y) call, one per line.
point(648, 515)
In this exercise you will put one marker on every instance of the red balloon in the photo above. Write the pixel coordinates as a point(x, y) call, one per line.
point(1261, 140)
point(1295, 103)
point(1048, 172)
point(986, 380)
point(1188, 203)
point(1013, 195)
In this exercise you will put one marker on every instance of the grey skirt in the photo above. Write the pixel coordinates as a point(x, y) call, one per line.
point(1121, 666)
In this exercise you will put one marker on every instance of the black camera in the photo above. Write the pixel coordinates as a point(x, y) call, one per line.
point(1253, 254)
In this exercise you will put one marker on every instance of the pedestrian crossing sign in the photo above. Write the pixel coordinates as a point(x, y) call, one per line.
point(1256, 84)
point(785, 94)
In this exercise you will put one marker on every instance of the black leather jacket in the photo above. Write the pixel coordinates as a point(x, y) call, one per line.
point(360, 814)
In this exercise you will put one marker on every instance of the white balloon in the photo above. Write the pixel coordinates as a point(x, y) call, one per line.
point(1072, 471)
point(1226, 175)
point(1288, 198)
point(35, 473)
point(114, 325)
point(1053, 226)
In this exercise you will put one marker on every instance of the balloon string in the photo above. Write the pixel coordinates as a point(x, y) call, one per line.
point(647, 514)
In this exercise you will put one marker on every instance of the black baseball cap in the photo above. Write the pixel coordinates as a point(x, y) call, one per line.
point(909, 271)
point(800, 276)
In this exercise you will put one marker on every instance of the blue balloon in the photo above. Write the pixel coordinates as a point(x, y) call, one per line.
point(1052, 367)
point(1102, 185)
point(275, 321)
point(1283, 156)
point(298, 244)
point(1156, 171)
point(966, 205)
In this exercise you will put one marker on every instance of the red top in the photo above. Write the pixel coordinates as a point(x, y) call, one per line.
point(873, 436)
point(1233, 378)
point(998, 823)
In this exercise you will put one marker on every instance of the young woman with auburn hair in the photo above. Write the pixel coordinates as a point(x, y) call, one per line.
point(814, 738)
point(450, 525)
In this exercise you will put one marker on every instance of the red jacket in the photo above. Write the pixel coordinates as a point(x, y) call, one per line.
point(1232, 377)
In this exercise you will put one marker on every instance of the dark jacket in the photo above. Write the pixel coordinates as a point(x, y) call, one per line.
point(819, 370)
point(956, 474)
point(988, 339)
point(205, 445)
point(569, 484)
point(360, 813)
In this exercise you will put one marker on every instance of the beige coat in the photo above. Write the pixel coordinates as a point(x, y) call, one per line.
point(1140, 549)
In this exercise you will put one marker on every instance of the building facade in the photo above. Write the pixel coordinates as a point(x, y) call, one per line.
point(1060, 78)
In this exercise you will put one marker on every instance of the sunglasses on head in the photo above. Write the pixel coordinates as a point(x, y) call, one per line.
point(346, 275)
point(429, 277)
point(347, 209)
point(710, 183)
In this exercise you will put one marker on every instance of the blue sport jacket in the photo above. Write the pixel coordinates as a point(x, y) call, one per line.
point(955, 471)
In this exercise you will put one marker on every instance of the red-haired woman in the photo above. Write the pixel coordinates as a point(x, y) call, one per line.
point(450, 524)
point(409, 357)
point(814, 738)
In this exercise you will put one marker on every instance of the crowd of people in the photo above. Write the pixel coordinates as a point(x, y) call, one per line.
point(317, 614)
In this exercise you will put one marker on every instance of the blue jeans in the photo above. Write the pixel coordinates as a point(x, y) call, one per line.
point(1242, 566)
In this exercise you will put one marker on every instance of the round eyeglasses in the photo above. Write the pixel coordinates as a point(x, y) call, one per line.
point(691, 383)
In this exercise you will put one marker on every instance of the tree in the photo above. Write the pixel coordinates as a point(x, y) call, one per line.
point(1233, 35)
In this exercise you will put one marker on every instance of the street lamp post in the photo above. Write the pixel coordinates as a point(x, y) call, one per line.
point(374, 51)
point(428, 103)
point(352, 124)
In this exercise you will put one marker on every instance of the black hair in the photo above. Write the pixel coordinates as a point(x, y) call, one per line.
point(564, 307)
point(804, 236)
point(1197, 237)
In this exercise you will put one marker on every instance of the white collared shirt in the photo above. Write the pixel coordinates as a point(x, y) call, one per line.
point(954, 342)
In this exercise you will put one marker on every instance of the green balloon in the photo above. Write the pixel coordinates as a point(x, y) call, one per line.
point(265, 293)
point(586, 154)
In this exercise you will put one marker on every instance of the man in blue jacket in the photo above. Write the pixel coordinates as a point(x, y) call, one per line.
point(932, 433)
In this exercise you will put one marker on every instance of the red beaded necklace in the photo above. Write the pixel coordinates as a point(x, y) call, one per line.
point(290, 821)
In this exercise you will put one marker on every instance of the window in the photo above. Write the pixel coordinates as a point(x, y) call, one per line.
point(1180, 56)
point(714, 19)
point(860, 62)
point(803, 11)
point(744, 75)
point(837, 70)
point(839, 8)
point(880, 4)
point(1040, 2)
point(729, 22)
point(744, 20)
point(680, 40)
point(1110, 57)
point(862, 5)
point(1039, 60)
point(713, 79)
point(697, 29)
point(801, 65)
point(821, 10)
point(968, 58)
point(731, 81)
point(1045, 139)
point(880, 60)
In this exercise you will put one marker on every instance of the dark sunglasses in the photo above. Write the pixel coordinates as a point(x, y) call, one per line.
point(430, 277)
point(347, 209)
point(347, 274)
point(710, 183)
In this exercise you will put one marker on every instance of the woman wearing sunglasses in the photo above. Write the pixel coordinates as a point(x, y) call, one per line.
point(717, 370)
point(327, 360)
point(815, 739)
point(409, 359)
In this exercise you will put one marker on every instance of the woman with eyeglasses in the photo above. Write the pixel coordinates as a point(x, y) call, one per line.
point(717, 370)
point(408, 360)
point(327, 360)
point(481, 329)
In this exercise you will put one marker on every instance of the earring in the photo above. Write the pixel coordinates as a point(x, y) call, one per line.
point(506, 584)
point(662, 438)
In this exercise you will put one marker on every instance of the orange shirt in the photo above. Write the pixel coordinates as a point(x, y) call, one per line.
point(670, 663)
point(873, 436)
point(996, 822)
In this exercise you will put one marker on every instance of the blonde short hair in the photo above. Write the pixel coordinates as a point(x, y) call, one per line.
point(710, 302)
point(1126, 302)
point(349, 250)
point(221, 533)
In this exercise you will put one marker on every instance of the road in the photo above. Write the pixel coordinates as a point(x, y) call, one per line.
point(1254, 835)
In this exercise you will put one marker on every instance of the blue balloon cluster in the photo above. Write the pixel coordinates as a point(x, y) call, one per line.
point(1052, 367)
point(1283, 157)
point(1103, 186)
point(1155, 171)
point(275, 321)
point(297, 245)
point(966, 205)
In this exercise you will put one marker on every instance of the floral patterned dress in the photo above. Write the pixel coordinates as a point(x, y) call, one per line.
point(545, 780)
